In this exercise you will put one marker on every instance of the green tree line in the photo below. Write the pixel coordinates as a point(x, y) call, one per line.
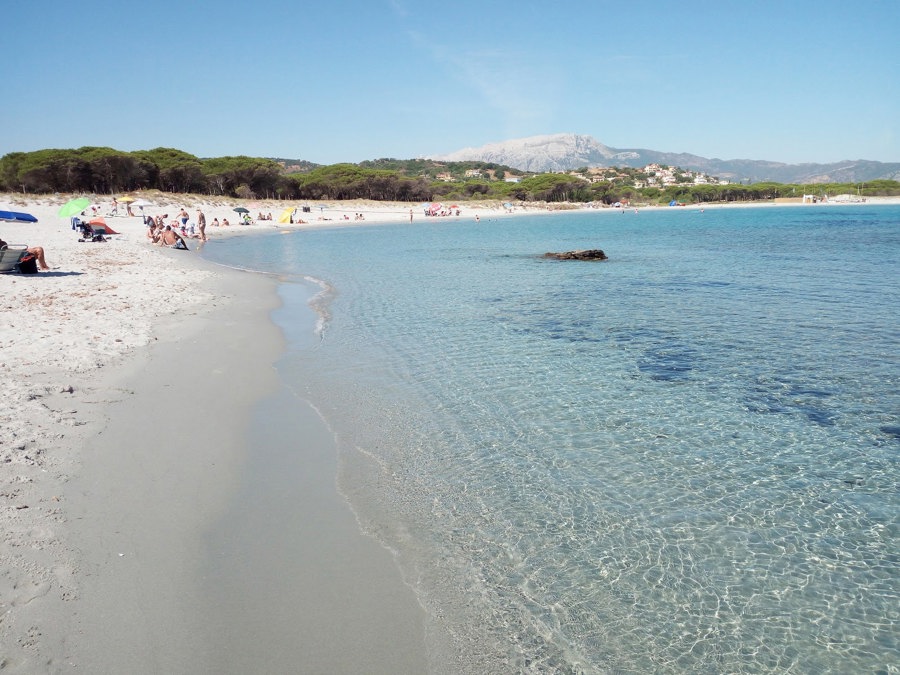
point(101, 170)
point(107, 171)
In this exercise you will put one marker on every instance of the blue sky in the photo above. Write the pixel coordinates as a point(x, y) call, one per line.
point(788, 80)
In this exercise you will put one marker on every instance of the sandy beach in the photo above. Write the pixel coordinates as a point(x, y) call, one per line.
point(130, 375)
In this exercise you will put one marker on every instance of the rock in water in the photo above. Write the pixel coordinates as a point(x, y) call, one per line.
point(589, 254)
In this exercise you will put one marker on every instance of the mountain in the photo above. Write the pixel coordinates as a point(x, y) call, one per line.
point(564, 152)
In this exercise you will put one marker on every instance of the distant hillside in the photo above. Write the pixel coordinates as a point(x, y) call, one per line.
point(564, 152)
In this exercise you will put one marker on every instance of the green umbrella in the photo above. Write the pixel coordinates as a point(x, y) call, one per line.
point(73, 206)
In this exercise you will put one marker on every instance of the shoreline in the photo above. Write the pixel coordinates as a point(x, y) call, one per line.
point(124, 439)
point(92, 350)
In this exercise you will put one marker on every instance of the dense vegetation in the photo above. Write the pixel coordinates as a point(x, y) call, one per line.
point(107, 171)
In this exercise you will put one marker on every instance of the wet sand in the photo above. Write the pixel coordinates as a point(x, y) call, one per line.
point(211, 534)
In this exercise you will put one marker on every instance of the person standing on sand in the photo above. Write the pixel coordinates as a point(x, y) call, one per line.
point(201, 223)
point(410, 215)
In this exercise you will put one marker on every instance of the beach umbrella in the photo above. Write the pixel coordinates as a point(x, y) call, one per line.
point(126, 199)
point(17, 217)
point(141, 203)
point(285, 216)
point(73, 206)
point(241, 209)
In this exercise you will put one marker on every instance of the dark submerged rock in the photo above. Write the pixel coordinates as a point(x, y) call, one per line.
point(588, 254)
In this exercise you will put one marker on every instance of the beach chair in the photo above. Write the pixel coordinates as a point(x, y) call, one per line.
point(10, 257)
point(97, 234)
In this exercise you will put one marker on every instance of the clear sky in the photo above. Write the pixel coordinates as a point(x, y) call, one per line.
point(341, 81)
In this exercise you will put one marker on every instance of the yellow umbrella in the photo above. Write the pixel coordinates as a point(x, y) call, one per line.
point(125, 200)
point(285, 216)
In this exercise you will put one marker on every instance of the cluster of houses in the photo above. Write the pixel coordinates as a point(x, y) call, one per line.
point(652, 175)
point(470, 173)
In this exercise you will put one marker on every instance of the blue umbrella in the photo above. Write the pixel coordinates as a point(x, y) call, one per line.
point(17, 217)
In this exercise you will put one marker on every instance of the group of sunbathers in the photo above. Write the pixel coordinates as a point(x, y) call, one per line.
point(165, 235)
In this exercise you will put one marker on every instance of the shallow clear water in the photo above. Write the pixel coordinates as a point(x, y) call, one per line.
point(683, 459)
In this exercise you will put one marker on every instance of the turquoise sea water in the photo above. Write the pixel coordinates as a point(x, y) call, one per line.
point(684, 459)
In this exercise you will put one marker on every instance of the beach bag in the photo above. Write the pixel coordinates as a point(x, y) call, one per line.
point(27, 264)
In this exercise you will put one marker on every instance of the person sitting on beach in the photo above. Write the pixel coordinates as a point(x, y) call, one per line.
point(225, 222)
point(215, 222)
point(172, 239)
point(36, 251)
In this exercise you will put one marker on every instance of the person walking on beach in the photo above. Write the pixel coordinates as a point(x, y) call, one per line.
point(201, 223)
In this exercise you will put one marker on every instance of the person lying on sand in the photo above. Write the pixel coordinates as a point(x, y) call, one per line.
point(36, 251)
